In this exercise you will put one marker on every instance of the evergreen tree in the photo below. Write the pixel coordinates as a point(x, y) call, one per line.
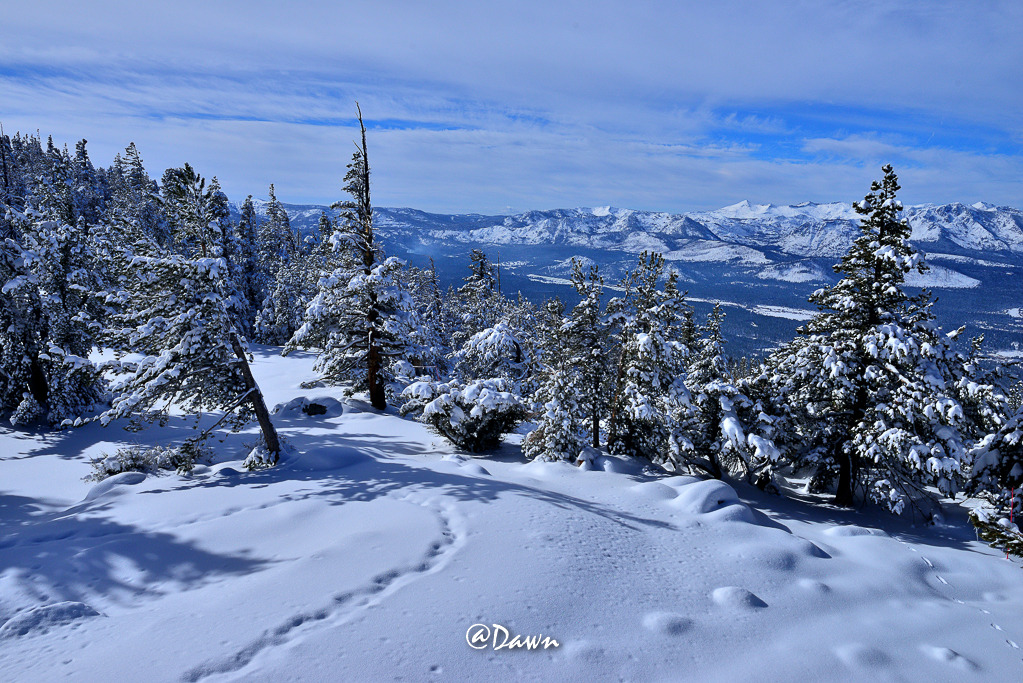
point(498, 351)
point(88, 200)
point(48, 322)
point(197, 215)
point(559, 434)
point(282, 259)
point(479, 306)
point(585, 337)
point(249, 275)
point(359, 318)
point(871, 381)
point(649, 383)
point(277, 241)
point(431, 337)
point(176, 312)
point(135, 199)
point(722, 431)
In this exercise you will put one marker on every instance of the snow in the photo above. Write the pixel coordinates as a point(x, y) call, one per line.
point(374, 547)
point(704, 251)
point(784, 312)
point(792, 272)
point(941, 277)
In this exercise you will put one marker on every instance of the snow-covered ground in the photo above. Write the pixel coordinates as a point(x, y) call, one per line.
point(372, 553)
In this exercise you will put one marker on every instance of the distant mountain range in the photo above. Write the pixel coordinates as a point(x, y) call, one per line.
point(761, 261)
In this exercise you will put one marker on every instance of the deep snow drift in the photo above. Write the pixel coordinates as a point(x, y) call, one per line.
point(371, 553)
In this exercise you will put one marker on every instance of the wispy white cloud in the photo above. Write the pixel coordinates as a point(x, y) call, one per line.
point(477, 106)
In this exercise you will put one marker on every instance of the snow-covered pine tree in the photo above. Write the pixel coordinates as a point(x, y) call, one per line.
point(295, 274)
point(497, 351)
point(429, 325)
point(870, 382)
point(649, 379)
point(585, 337)
point(359, 318)
point(559, 434)
point(251, 280)
point(196, 214)
point(48, 311)
point(280, 312)
point(544, 323)
point(473, 416)
point(177, 309)
point(87, 192)
point(998, 463)
point(7, 180)
point(722, 432)
point(135, 198)
point(479, 305)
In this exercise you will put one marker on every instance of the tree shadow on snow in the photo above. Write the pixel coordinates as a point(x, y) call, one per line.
point(67, 556)
point(796, 506)
point(363, 467)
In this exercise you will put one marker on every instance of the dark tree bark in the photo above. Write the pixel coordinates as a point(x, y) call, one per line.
point(374, 354)
point(273, 444)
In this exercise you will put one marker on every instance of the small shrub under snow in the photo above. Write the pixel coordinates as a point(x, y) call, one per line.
point(137, 458)
point(473, 417)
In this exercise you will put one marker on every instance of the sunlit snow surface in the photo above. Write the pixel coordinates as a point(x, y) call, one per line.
point(369, 554)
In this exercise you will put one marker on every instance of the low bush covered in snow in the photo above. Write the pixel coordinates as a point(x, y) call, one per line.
point(473, 416)
point(997, 530)
point(137, 458)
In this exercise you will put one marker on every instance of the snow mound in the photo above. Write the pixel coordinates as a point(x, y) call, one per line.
point(43, 618)
point(113, 483)
point(323, 406)
point(679, 481)
point(766, 556)
point(735, 597)
point(474, 468)
point(544, 470)
point(618, 465)
point(667, 623)
point(654, 489)
point(848, 531)
point(323, 459)
point(715, 498)
point(814, 586)
point(943, 654)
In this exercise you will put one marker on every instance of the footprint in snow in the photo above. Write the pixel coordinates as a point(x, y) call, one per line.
point(857, 655)
point(667, 623)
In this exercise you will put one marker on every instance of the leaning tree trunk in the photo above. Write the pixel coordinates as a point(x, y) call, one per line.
point(273, 444)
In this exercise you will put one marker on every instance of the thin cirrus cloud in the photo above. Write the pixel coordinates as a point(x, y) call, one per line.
point(471, 107)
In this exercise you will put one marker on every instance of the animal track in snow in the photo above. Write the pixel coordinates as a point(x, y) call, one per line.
point(345, 605)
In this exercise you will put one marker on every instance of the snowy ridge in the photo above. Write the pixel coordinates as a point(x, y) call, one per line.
point(807, 229)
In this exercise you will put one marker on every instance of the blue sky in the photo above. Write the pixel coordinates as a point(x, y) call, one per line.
point(479, 107)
